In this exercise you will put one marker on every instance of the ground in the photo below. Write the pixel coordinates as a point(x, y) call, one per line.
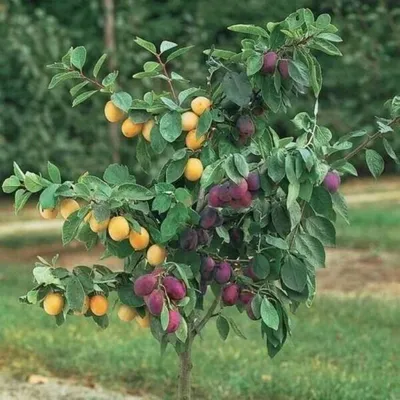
point(344, 348)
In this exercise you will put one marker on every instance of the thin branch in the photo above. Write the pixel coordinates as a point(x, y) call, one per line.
point(169, 80)
point(199, 326)
point(370, 139)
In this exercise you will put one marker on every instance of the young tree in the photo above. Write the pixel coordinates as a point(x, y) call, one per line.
point(236, 208)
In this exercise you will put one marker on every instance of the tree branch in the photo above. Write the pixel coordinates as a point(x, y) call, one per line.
point(198, 327)
point(169, 80)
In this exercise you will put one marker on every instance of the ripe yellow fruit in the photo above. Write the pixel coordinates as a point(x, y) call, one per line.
point(96, 226)
point(112, 112)
point(192, 142)
point(147, 127)
point(126, 313)
point(200, 104)
point(139, 241)
point(143, 322)
point(156, 255)
point(48, 213)
point(189, 121)
point(130, 129)
point(53, 303)
point(118, 228)
point(193, 170)
point(67, 207)
point(98, 305)
point(85, 307)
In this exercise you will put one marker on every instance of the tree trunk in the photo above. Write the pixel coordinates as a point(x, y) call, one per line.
point(110, 46)
point(185, 372)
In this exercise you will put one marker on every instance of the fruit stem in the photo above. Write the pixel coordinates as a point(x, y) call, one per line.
point(169, 80)
point(185, 373)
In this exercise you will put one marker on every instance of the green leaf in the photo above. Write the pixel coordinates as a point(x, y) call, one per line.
point(132, 191)
point(269, 314)
point(184, 196)
point(210, 173)
point(175, 170)
point(261, 266)
point(54, 173)
point(101, 212)
point(323, 21)
point(390, 151)
point(63, 76)
point(326, 47)
point(224, 54)
point(276, 242)
point(75, 294)
point(143, 155)
point(271, 97)
point(164, 318)
point(298, 72)
point(161, 203)
point(158, 143)
point(254, 64)
point(102, 321)
point(146, 45)
point(128, 297)
point(311, 248)
point(237, 88)
point(74, 91)
point(375, 162)
point(249, 30)
point(235, 328)
point(82, 97)
point(33, 182)
point(110, 79)
point(182, 331)
point(178, 53)
point(222, 327)
point(204, 124)
point(11, 184)
point(294, 273)
point(116, 174)
point(78, 57)
point(171, 126)
point(330, 36)
point(293, 194)
point(241, 165)
point(231, 170)
point(223, 233)
point(21, 198)
point(175, 219)
point(188, 93)
point(98, 65)
point(340, 206)
point(165, 46)
point(47, 198)
point(322, 229)
point(315, 76)
point(122, 100)
point(70, 228)
point(18, 172)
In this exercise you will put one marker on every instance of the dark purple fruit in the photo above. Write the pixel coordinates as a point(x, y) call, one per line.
point(245, 125)
point(246, 200)
point(189, 240)
point(155, 302)
point(253, 181)
point(237, 236)
point(332, 181)
point(238, 190)
point(246, 297)
point(208, 217)
point(230, 294)
point(203, 237)
point(174, 321)
point(175, 288)
point(250, 312)
point(225, 192)
point(249, 272)
point(269, 63)
point(213, 197)
point(223, 273)
point(283, 68)
point(144, 285)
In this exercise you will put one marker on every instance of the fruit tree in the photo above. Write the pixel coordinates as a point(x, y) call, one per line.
point(236, 210)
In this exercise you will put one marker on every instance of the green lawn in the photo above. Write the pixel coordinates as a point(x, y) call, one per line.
point(342, 349)
point(374, 226)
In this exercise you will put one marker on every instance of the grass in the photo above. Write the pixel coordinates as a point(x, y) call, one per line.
point(371, 226)
point(342, 349)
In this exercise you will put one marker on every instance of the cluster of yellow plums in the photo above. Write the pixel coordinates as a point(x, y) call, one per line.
point(53, 304)
point(118, 229)
point(190, 119)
